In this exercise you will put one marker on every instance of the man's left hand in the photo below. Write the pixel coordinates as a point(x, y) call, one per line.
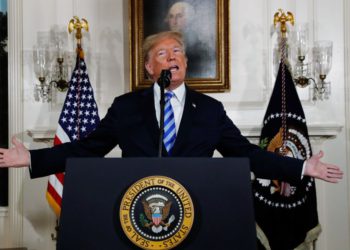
point(323, 171)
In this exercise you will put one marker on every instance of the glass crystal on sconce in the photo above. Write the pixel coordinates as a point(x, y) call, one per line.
point(322, 55)
point(311, 72)
point(41, 60)
point(59, 73)
point(302, 68)
point(50, 65)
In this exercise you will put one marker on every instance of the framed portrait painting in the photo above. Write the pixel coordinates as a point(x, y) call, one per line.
point(204, 25)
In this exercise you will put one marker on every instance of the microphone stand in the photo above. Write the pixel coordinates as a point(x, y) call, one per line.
point(161, 121)
point(164, 82)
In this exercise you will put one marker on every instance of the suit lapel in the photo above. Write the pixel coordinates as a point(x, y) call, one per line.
point(149, 114)
point(186, 121)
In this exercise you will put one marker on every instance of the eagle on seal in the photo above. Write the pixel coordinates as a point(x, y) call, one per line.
point(156, 212)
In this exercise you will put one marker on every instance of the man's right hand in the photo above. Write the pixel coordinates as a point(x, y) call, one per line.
point(15, 157)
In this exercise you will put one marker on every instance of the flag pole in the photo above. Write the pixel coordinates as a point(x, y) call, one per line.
point(77, 25)
point(282, 18)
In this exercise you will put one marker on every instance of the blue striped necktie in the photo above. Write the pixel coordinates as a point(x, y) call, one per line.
point(169, 124)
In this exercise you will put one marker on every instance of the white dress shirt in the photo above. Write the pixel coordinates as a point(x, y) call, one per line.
point(177, 103)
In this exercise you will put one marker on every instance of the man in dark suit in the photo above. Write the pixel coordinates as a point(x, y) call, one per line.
point(201, 126)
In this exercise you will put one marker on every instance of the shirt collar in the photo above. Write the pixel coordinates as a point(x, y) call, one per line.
point(179, 91)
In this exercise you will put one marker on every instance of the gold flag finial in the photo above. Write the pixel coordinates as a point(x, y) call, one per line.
point(281, 17)
point(76, 24)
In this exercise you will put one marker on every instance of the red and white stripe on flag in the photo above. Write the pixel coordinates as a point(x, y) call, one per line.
point(55, 184)
point(54, 192)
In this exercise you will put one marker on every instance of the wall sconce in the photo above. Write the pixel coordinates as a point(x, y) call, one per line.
point(41, 59)
point(315, 71)
point(50, 69)
point(60, 69)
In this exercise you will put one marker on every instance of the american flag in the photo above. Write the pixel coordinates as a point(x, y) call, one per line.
point(78, 118)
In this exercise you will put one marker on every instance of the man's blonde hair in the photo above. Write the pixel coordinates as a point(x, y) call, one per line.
point(153, 40)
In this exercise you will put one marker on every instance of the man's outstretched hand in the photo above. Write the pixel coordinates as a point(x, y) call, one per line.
point(323, 171)
point(16, 156)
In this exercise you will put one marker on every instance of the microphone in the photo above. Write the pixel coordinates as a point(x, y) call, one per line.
point(164, 82)
point(164, 79)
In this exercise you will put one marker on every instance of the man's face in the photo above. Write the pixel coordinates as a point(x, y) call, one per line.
point(177, 18)
point(167, 54)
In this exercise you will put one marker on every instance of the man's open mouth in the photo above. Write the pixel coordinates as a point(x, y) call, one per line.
point(174, 68)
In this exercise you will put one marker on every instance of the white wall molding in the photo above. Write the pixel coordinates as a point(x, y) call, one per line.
point(347, 87)
point(3, 212)
point(42, 134)
point(15, 81)
point(316, 131)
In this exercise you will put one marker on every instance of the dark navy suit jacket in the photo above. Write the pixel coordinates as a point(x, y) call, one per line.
point(131, 123)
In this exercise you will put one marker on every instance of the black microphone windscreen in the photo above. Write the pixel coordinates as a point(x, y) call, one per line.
point(165, 77)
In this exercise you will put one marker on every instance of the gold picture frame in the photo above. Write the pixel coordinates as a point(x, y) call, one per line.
point(207, 47)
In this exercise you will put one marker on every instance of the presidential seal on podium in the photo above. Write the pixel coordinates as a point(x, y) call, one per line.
point(156, 212)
